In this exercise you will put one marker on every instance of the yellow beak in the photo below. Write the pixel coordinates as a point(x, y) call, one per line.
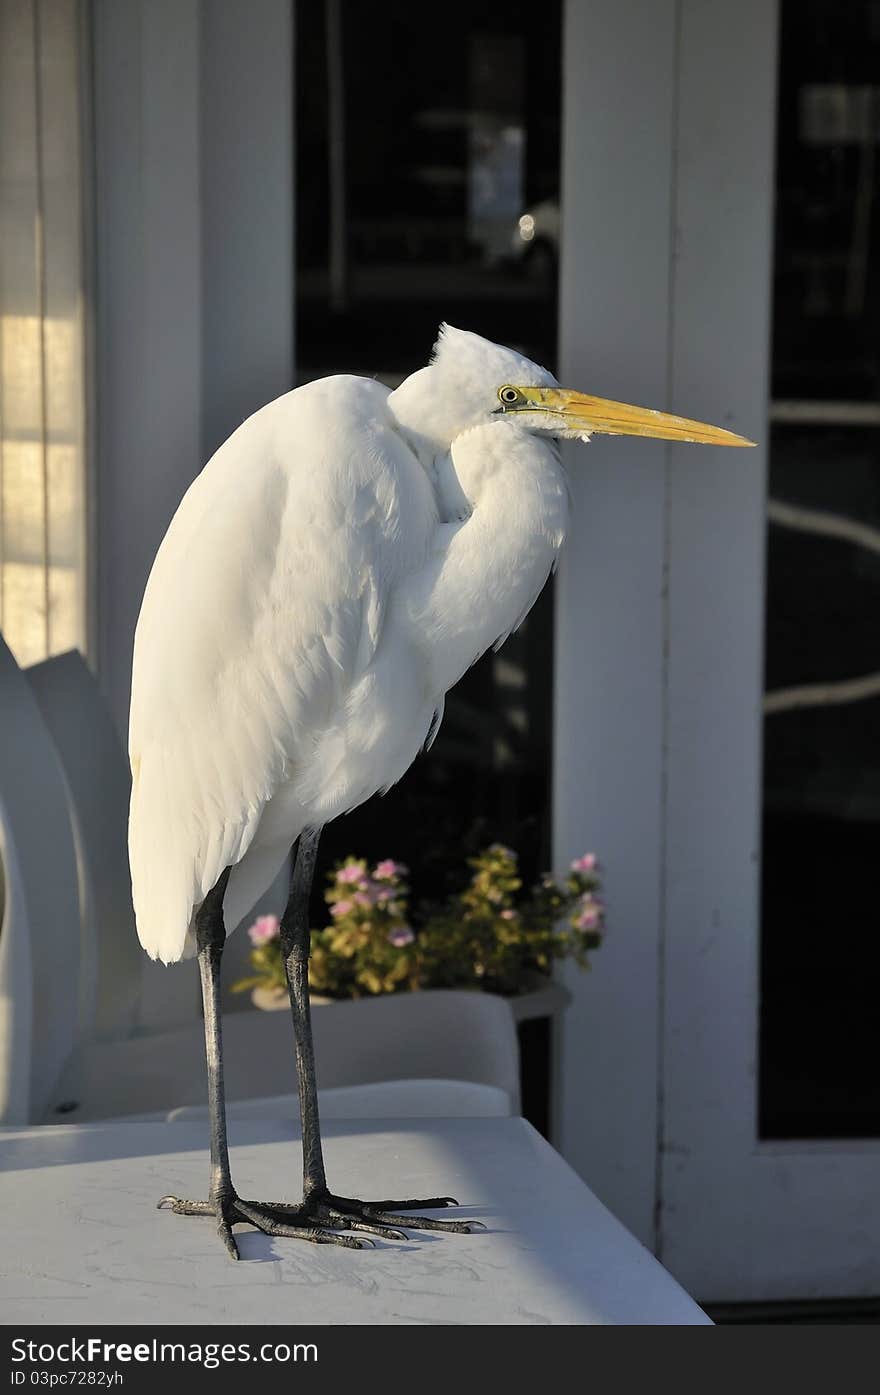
point(576, 414)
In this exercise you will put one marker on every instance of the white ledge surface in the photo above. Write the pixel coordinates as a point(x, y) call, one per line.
point(83, 1241)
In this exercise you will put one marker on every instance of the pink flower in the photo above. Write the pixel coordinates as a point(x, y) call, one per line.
point(340, 908)
point(362, 898)
point(388, 868)
point(508, 915)
point(588, 918)
point(400, 935)
point(383, 895)
point(586, 863)
point(264, 929)
point(351, 872)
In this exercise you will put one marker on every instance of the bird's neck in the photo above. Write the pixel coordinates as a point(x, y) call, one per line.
point(490, 568)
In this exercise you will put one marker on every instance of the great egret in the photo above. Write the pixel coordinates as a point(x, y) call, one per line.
point(336, 567)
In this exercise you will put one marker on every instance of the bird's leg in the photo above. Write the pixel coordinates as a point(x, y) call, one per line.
point(223, 1202)
point(210, 939)
point(295, 938)
point(318, 1200)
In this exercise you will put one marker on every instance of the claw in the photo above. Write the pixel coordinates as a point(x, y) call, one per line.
point(326, 1237)
point(384, 1232)
point(225, 1232)
point(423, 1223)
point(181, 1207)
point(429, 1203)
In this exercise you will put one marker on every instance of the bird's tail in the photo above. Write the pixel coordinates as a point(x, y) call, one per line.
point(162, 886)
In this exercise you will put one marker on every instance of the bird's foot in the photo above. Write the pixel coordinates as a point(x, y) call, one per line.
point(277, 1218)
point(387, 1213)
point(320, 1219)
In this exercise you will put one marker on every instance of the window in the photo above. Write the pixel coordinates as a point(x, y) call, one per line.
point(428, 190)
point(820, 947)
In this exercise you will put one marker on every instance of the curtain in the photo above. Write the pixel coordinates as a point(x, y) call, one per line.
point(43, 504)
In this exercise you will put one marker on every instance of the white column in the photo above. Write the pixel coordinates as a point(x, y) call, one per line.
point(247, 210)
point(194, 265)
point(619, 81)
point(148, 291)
point(756, 1212)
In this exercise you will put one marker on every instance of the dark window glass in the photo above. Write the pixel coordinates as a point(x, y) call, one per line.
point(820, 1039)
point(427, 190)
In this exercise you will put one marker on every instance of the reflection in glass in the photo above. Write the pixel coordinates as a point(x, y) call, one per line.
point(416, 164)
point(820, 1030)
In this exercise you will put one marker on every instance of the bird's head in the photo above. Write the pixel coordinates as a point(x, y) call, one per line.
point(471, 382)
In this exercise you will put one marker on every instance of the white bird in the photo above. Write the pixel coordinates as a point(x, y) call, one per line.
point(336, 567)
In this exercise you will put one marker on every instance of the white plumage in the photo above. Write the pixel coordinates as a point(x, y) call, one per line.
point(330, 574)
point(335, 568)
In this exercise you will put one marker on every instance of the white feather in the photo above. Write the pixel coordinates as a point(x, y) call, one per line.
point(308, 609)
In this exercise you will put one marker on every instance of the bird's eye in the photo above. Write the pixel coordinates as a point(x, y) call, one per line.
point(508, 395)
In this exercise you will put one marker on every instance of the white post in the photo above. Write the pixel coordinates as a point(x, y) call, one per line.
point(194, 251)
point(714, 1185)
point(148, 289)
point(246, 168)
point(618, 171)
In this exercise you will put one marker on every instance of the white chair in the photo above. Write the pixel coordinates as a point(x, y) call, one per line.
point(386, 1099)
point(441, 1035)
point(16, 1006)
point(130, 993)
point(44, 1003)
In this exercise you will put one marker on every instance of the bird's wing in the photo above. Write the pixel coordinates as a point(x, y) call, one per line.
point(265, 604)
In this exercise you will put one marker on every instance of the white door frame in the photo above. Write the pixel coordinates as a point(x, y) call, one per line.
point(608, 689)
point(665, 299)
point(782, 1220)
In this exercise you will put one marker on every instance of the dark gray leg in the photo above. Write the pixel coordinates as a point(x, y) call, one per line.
point(317, 1198)
point(210, 939)
point(296, 947)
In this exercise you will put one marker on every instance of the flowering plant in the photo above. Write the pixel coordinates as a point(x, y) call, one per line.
point(491, 935)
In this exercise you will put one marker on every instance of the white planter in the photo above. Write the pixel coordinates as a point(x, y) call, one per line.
point(545, 999)
point(274, 999)
point(270, 999)
point(393, 1016)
